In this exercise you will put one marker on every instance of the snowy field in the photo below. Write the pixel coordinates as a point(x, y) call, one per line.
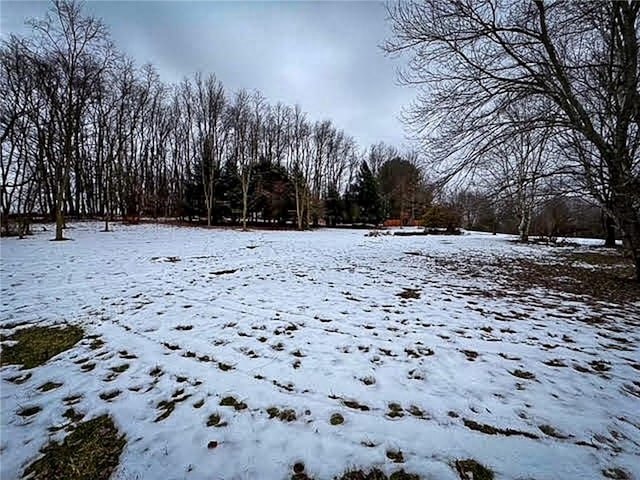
point(313, 322)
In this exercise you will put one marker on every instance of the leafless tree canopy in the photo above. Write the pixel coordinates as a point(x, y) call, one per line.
point(572, 66)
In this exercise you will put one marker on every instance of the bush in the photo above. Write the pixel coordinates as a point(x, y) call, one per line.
point(443, 216)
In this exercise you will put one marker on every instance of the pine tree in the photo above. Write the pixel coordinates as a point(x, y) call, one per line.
point(368, 197)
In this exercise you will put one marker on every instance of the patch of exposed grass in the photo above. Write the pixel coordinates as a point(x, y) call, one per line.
point(600, 365)
point(395, 411)
point(472, 470)
point(395, 456)
point(72, 399)
point(36, 345)
point(120, 368)
point(19, 379)
point(552, 432)
point(108, 396)
point(523, 374)
point(336, 419)
point(616, 474)
point(509, 357)
point(368, 380)
point(470, 354)
point(224, 272)
point(72, 415)
point(375, 474)
point(355, 405)
point(402, 475)
point(409, 293)
point(87, 367)
point(555, 362)
point(416, 411)
point(215, 420)
point(184, 327)
point(91, 451)
point(286, 415)
point(96, 343)
point(29, 411)
point(490, 430)
point(156, 371)
point(225, 367)
point(168, 406)
point(232, 402)
point(45, 387)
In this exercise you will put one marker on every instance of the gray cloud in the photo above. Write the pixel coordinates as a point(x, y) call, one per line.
point(323, 55)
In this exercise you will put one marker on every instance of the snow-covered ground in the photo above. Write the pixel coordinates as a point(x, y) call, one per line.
point(308, 321)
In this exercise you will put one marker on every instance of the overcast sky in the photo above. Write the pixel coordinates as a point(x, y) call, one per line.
point(323, 55)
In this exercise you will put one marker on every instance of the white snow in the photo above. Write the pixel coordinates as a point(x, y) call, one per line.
point(331, 296)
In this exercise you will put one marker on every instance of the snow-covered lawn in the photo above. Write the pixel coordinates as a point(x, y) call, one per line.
point(313, 322)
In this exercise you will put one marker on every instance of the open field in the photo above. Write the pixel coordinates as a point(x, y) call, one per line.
point(222, 355)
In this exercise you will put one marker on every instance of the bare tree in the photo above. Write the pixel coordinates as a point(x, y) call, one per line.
point(578, 60)
point(240, 121)
point(72, 52)
point(210, 134)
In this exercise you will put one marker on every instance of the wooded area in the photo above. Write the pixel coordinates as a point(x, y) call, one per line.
point(508, 144)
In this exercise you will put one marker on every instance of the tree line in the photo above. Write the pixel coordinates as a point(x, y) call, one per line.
point(85, 132)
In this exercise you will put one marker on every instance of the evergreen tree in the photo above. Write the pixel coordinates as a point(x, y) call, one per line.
point(368, 197)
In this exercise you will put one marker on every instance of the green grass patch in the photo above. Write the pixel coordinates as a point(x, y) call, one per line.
point(91, 451)
point(336, 419)
point(36, 345)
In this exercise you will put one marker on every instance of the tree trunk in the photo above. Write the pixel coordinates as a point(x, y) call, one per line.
point(244, 207)
point(298, 207)
point(523, 228)
point(59, 219)
point(610, 232)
